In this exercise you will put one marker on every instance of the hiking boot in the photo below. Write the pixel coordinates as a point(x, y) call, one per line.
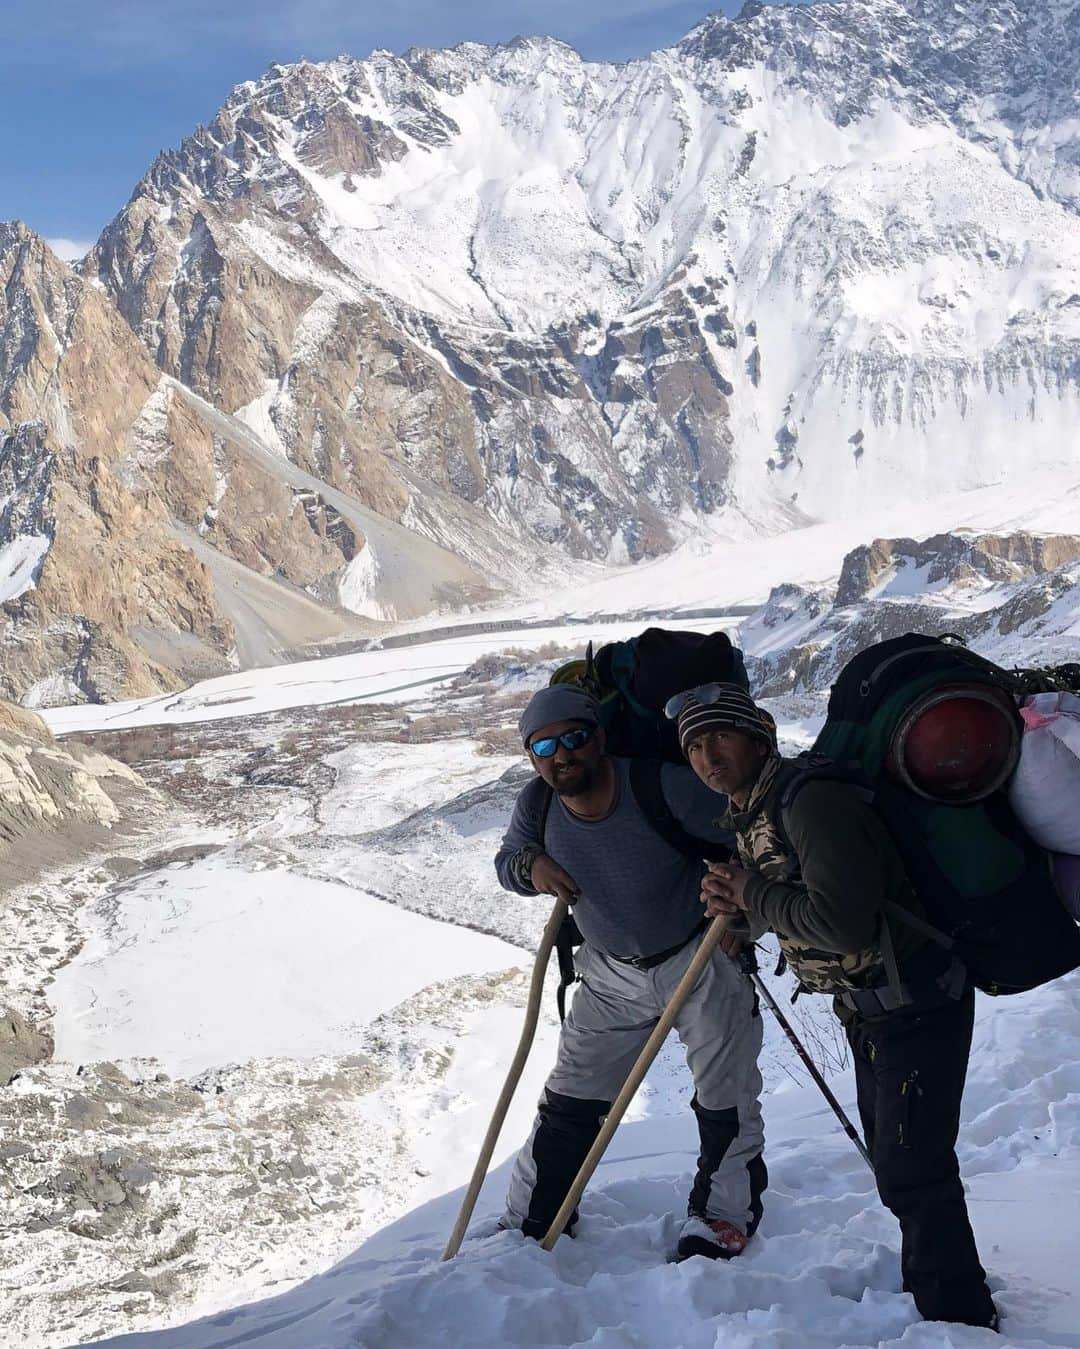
point(715, 1240)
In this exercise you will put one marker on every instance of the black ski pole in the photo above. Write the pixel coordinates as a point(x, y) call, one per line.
point(811, 1068)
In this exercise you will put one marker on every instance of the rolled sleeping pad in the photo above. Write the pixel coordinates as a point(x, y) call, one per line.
point(957, 744)
point(1067, 880)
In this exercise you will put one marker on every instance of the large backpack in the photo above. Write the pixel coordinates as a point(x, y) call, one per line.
point(987, 887)
point(632, 680)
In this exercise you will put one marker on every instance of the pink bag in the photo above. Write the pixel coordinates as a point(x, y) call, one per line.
point(1045, 789)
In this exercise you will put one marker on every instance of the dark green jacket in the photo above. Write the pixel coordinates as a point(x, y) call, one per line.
point(820, 879)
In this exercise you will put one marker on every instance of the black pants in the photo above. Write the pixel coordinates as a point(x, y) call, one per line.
point(910, 1067)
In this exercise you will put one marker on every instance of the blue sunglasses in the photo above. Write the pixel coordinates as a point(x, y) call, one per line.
point(545, 748)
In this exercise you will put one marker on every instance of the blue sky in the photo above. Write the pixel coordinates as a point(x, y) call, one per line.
point(93, 89)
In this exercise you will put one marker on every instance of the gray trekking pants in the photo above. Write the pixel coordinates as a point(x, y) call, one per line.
point(614, 1011)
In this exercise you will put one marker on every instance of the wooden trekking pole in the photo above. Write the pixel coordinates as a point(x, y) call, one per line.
point(532, 1014)
point(636, 1076)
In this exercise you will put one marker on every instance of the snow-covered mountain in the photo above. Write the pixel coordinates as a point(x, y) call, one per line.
point(804, 261)
point(429, 326)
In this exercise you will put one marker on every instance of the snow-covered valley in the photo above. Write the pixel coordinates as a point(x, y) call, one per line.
point(282, 1017)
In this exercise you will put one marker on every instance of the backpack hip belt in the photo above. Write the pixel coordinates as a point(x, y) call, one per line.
point(870, 1002)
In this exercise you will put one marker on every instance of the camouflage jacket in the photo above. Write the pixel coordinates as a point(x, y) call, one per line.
point(819, 880)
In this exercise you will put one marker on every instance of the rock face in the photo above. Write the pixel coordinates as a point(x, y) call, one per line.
point(1014, 597)
point(85, 562)
point(392, 334)
point(56, 805)
point(105, 472)
point(57, 801)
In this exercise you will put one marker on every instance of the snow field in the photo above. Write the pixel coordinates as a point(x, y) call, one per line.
point(20, 564)
point(215, 964)
point(823, 1272)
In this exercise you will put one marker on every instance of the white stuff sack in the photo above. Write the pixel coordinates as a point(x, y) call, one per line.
point(1045, 790)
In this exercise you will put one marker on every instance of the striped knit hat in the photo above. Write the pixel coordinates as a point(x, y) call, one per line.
point(724, 707)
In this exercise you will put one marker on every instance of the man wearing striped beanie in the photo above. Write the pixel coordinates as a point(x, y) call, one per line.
point(820, 869)
point(727, 709)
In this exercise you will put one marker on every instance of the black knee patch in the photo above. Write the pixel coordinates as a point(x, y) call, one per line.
point(568, 1129)
point(759, 1183)
point(717, 1129)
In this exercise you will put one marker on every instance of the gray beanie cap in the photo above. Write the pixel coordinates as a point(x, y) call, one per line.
point(558, 702)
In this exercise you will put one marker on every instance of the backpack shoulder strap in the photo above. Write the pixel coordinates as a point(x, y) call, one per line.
point(817, 768)
point(537, 796)
point(820, 769)
point(646, 783)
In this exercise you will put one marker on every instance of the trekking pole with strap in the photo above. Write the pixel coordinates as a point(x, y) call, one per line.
point(636, 1076)
point(811, 1067)
point(532, 1014)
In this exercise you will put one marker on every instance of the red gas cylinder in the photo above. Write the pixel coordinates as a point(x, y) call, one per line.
point(957, 744)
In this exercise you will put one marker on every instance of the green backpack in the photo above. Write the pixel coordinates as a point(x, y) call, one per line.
point(987, 887)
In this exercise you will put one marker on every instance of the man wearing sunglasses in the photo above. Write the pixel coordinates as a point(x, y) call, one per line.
point(623, 842)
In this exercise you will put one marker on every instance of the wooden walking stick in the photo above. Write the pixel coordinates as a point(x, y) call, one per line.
point(637, 1074)
point(532, 1014)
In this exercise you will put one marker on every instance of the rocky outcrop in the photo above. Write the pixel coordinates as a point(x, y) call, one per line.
point(959, 558)
point(21, 1045)
point(58, 801)
point(1012, 596)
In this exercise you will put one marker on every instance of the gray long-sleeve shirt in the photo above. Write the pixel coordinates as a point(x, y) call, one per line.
point(638, 894)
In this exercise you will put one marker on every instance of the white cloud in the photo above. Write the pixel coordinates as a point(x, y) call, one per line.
point(71, 250)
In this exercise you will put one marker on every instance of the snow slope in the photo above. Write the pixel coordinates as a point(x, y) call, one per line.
point(824, 1271)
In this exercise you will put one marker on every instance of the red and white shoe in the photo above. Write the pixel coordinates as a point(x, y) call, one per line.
point(717, 1240)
